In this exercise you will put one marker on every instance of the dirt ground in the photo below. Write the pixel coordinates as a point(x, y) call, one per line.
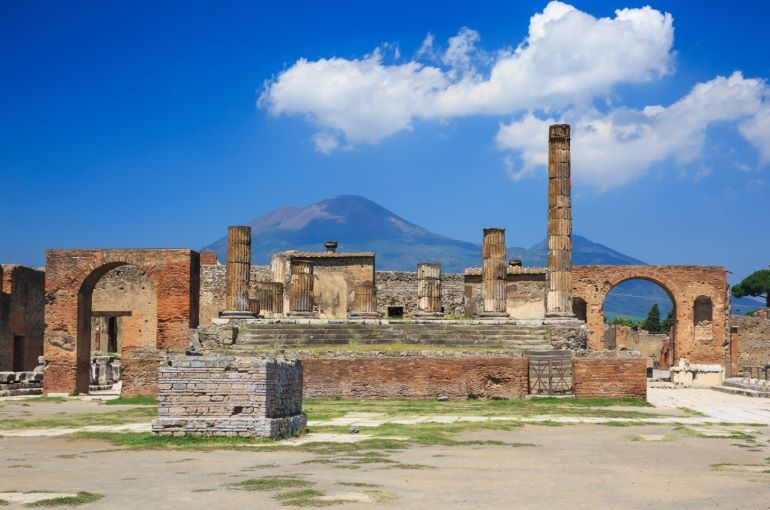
point(582, 466)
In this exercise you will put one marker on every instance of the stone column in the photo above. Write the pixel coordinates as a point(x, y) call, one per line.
point(238, 272)
point(429, 291)
point(558, 301)
point(301, 289)
point(364, 301)
point(493, 273)
point(270, 297)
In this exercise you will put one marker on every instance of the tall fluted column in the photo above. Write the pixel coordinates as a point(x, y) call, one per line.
point(493, 273)
point(429, 291)
point(270, 297)
point(301, 289)
point(559, 290)
point(237, 272)
point(364, 301)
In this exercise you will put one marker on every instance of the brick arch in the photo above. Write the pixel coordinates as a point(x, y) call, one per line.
point(683, 285)
point(71, 276)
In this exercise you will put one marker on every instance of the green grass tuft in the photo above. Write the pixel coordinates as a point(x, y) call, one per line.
point(139, 400)
point(270, 484)
point(81, 499)
point(149, 441)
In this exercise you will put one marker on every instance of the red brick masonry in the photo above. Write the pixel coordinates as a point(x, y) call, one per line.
point(415, 377)
point(462, 377)
point(610, 377)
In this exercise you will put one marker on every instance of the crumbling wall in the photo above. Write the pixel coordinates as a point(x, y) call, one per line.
point(71, 277)
point(212, 284)
point(684, 284)
point(609, 377)
point(22, 323)
point(649, 345)
point(525, 292)
point(128, 293)
point(399, 288)
point(753, 341)
point(416, 377)
point(229, 396)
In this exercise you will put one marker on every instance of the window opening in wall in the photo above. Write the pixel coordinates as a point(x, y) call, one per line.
point(703, 310)
point(18, 353)
point(112, 334)
point(395, 312)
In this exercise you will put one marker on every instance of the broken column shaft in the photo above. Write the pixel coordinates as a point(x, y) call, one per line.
point(301, 289)
point(429, 290)
point(493, 273)
point(238, 272)
point(270, 297)
point(559, 281)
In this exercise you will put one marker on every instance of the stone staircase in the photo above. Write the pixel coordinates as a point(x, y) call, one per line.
point(514, 337)
point(745, 387)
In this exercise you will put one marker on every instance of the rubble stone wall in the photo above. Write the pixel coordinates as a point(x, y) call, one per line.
point(21, 316)
point(399, 288)
point(753, 341)
point(229, 396)
point(525, 295)
point(212, 292)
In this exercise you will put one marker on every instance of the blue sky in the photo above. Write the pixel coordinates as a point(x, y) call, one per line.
point(137, 124)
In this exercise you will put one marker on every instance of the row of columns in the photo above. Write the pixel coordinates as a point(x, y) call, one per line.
point(558, 298)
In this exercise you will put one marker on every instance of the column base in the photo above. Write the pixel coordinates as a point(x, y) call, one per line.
point(364, 315)
point(428, 315)
point(236, 314)
point(493, 316)
point(301, 315)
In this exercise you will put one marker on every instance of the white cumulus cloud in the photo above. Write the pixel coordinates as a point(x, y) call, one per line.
point(613, 148)
point(569, 56)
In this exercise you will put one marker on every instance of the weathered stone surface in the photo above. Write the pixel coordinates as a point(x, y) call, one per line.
point(753, 342)
point(699, 343)
point(570, 338)
point(364, 301)
point(238, 270)
point(230, 395)
point(301, 288)
point(21, 316)
point(72, 273)
point(429, 290)
point(494, 273)
point(558, 297)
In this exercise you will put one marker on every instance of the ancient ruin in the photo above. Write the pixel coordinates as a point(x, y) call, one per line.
point(112, 318)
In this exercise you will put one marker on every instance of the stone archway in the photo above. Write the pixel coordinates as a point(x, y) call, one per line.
point(684, 284)
point(71, 276)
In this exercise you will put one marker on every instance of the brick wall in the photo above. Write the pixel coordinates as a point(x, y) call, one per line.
point(21, 316)
point(228, 395)
point(416, 377)
point(603, 377)
point(753, 349)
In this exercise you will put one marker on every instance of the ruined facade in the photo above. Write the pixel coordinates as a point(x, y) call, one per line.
point(21, 317)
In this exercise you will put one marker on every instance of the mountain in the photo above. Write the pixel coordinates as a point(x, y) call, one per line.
point(358, 224)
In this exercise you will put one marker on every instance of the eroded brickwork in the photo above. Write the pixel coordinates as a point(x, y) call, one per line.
point(753, 349)
point(684, 284)
point(603, 377)
point(71, 276)
point(21, 317)
point(229, 396)
point(416, 377)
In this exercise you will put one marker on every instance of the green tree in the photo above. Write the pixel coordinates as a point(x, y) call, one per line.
point(665, 325)
point(652, 322)
point(757, 284)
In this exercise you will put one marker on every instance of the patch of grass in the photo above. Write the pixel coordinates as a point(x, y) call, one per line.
point(67, 456)
point(139, 400)
point(43, 400)
point(304, 497)
point(270, 484)
point(358, 484)
point(81, 499)
point(178, 461)
point(599, 407)
point(75, 420)
point(16, 466)
point(149, 441)
point(261, 466)
point(381, 496)
point(400, 465)
point(4, 502)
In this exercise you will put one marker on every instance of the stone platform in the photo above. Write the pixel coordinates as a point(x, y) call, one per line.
point(230, 396)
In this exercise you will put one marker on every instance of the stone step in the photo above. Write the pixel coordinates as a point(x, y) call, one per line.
point(742, 391)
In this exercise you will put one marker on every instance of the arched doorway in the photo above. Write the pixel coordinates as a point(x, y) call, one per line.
point(640, 315)
point(72, 277)
point(124, 318)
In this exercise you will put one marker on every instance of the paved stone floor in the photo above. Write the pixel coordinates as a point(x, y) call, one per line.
point(596, 466)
